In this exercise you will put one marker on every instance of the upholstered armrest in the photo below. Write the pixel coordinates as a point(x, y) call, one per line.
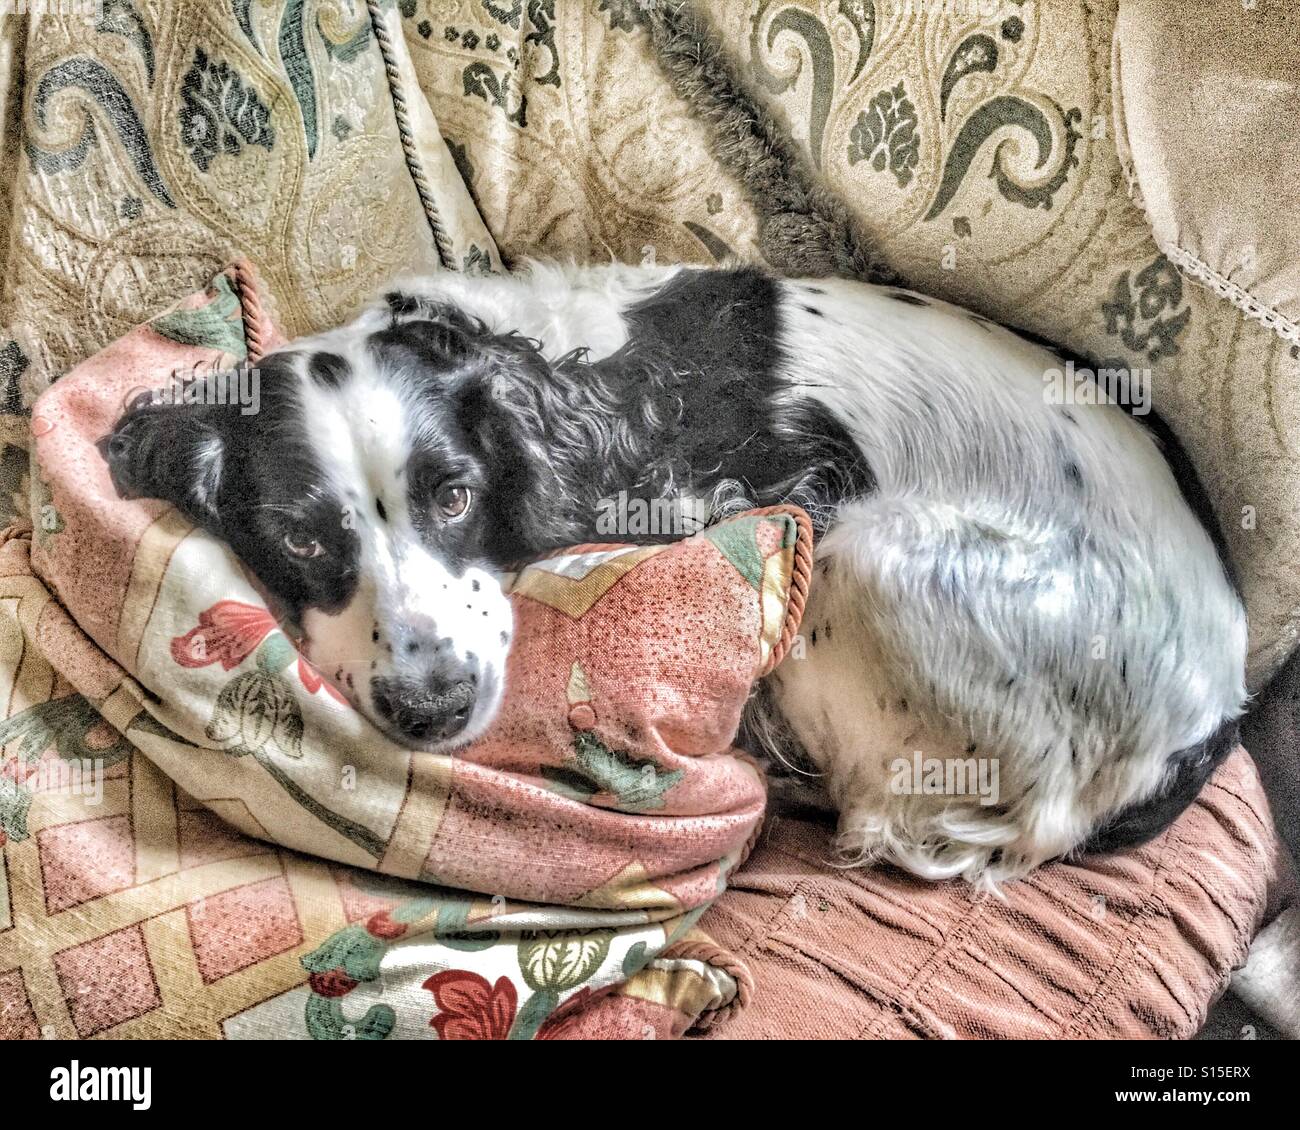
point(1205, 105)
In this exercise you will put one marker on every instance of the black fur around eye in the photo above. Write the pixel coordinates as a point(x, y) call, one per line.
point(452, 502)
point(302, 546)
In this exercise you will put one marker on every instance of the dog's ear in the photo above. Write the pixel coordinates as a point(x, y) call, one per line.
point(541, 428)
point(175, 452)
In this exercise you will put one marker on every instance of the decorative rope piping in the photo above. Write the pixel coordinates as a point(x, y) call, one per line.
point(256, 330)
point(423, 188)
point(1238, 295)
point(800, 579)
point(710, 953)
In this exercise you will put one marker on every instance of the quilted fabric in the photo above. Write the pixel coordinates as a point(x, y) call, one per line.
point(976, 142)
point(159, 681)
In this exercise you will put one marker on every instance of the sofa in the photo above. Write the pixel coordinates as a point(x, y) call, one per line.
point(1100, 173)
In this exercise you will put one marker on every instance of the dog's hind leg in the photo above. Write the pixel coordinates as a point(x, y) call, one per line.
point(1064, 662)
point(836, 701)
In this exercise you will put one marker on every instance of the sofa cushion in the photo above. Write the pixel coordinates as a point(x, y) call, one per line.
point(1205, 100)
point(1132, 946)
point(155, 146)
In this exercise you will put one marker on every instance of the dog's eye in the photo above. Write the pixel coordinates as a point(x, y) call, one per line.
point(452, 502)
point(301, 546)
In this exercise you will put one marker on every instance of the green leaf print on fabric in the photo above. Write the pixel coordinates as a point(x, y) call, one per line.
point(737, 541)
point(559, 960)
point(218, 324)
point(637, 785)
point(255, 713)
point(62, 724)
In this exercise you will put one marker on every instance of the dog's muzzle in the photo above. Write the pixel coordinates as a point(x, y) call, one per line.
point(428, 709)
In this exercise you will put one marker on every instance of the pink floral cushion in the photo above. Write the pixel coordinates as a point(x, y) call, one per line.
point(605, 803)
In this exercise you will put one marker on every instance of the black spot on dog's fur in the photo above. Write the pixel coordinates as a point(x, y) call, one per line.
point(402, 304)
point(908, 299)
point(814, 311)
point(328, 370)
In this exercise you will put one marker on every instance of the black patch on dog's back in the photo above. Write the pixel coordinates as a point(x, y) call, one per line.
point(1188, 770)
point(328, 370)
point(704, 353)
point(710, 321)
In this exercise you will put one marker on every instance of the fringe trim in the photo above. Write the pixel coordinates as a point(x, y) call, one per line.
point(805, 228)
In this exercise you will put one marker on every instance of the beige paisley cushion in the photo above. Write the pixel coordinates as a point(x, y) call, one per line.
point(157, 142)
point(977, 143)
point(1206, 103)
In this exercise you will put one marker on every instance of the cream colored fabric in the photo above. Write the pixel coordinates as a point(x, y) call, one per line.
point(161, 140)
point(1207, 100)
point(572, 141)
point(975, 141)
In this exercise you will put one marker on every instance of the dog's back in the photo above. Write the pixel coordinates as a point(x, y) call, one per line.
point(1010, 567)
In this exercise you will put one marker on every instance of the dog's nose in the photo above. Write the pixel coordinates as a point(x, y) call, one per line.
point(432, 709)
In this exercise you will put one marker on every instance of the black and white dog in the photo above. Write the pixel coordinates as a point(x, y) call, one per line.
point(1001, 571)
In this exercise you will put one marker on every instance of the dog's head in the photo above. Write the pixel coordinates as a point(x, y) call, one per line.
point(380, 476)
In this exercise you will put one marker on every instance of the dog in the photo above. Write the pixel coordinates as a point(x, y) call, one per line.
point(1001, 570)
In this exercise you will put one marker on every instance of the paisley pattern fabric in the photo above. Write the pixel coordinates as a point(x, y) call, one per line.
point(163, 667)
point(977, 144)
point(157, 140)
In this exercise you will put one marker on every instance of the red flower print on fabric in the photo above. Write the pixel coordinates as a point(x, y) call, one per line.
point(228, 632)
point(312, 680)
point(470, 1008)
